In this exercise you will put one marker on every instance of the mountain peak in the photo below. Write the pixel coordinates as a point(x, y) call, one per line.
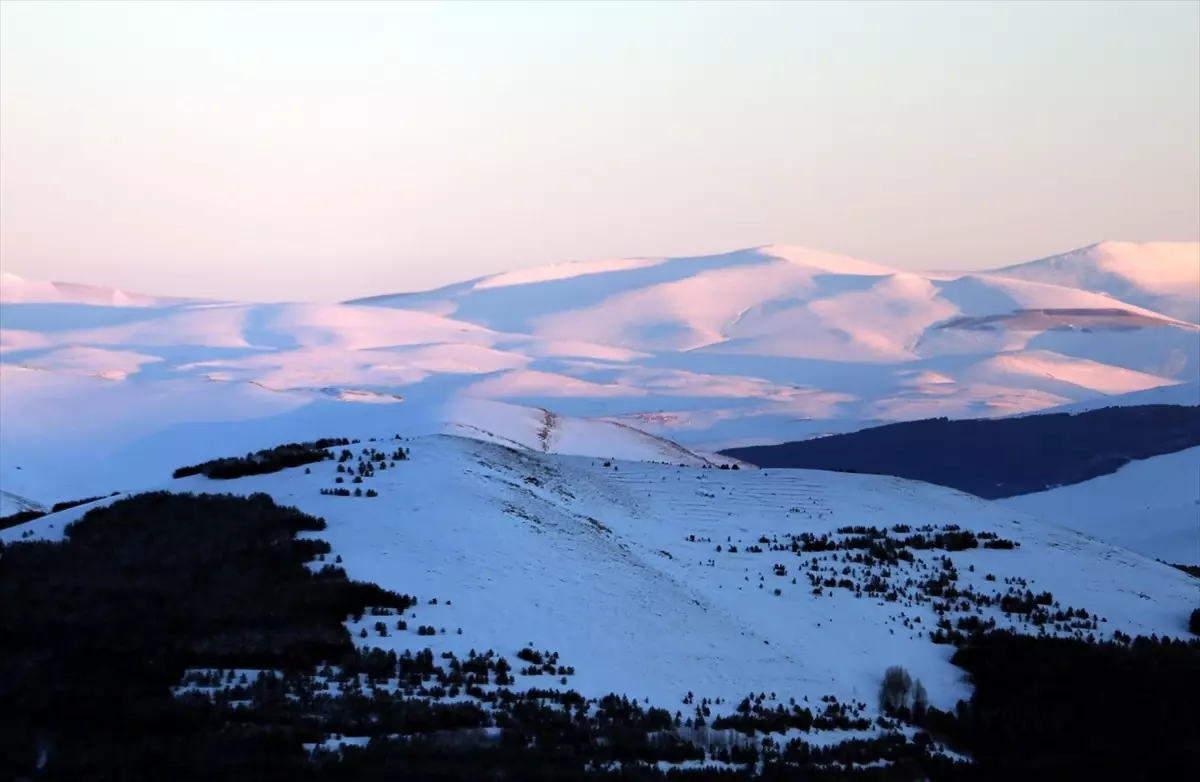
point(824, 261)
point(1161, 276)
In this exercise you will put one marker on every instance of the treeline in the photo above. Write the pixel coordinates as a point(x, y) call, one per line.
point(1191, 570)
point(20, 517)
point(266, 461)
point(997, 457)
point(1059, 708)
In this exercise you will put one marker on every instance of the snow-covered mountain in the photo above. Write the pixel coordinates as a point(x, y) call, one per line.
point(1162, 276)
point(762, 345)
point(782, 302)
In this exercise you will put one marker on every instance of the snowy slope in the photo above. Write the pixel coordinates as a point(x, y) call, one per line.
point(1162, 276)
point(18, 491)
point(1182, 394)
point(1150, 506)
point(599, 564)
point(543, 430)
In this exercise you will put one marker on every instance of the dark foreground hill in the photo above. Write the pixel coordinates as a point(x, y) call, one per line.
point(999, 457)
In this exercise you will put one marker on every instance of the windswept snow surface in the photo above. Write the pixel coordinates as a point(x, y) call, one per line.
point(630, 357)
point(599, 564)
point(1151, 506)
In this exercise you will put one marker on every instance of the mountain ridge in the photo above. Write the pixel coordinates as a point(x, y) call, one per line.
point(1116, 269)
point(1176, 257)
point(759, 346)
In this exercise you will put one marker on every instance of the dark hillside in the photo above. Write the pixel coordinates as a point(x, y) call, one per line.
point(998, 457)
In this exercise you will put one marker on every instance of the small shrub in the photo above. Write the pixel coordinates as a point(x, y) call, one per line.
point(530, 656)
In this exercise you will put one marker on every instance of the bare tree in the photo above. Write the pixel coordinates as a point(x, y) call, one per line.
point(895, 690)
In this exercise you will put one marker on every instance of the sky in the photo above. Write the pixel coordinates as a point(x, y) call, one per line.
point(320, 151)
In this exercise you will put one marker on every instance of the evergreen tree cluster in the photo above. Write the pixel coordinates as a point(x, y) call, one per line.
point(263, 462)
point(1062, 708)
point(96, 629)
point(880, 544)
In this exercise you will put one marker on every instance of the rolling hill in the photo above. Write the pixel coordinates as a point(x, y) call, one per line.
point(741, 597)
point(516, 543)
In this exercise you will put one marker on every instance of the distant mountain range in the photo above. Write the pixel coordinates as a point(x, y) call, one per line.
point(759, 346)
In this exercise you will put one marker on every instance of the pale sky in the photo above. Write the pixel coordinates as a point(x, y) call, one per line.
point(311, 150)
